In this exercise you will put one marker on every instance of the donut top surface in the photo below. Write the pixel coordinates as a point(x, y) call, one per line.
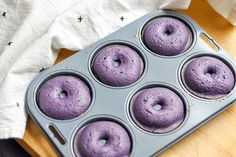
point(102, 139)
point(157, 109)
point(118, 65)
point(64, 97)
point(208, 77)
point(167, 36)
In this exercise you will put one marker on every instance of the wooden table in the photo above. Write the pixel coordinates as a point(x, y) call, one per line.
point(217, 138)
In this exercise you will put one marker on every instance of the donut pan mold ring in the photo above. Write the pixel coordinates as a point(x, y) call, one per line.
point(112, 103)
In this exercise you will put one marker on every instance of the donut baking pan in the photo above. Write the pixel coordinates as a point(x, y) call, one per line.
point(153, 122)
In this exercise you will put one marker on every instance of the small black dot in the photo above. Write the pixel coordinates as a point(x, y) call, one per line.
point(17, 104)
point(122, 18)
point(42, 69)
point(4, 14)
point(9, 43)
point(80, 19)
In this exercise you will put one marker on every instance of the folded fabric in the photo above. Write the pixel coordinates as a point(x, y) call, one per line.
point(227, 8)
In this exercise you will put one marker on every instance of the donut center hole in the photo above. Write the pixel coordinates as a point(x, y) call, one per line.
point(103, 141)
point(157, 106)
point(168, 30)
point(116, 62)
point(211, 71)
point(63, 94)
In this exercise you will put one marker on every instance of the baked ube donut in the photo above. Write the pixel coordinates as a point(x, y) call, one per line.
point(167, 36)
point(208, 77)
point(64, 97)
point(102, 139)
point(118, 65)
point(157, 110)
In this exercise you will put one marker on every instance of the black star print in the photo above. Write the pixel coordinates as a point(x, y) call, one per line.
point(9, 43)
point(17, 104)
point(80, 19)
point(4, 14)
point(122, 18)
point(42, 69)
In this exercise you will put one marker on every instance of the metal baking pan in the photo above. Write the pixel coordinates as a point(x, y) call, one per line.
point(112, 103)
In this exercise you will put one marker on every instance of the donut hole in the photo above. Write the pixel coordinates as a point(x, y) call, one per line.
point(168, 30)
point(103, 140)
point(116, 62)
point(157, 105)
point(210, 71)
point(63, 94)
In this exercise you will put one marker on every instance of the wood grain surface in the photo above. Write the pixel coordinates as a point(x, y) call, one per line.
point(217, 138)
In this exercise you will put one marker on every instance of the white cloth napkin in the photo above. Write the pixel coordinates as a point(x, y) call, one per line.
point(33, 32)
point(227, 8)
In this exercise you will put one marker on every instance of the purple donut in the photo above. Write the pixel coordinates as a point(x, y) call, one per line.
point(167, 36)
point(118, 65)
point(208, 77)
point(102, 139)
point(64, 97)
point(157, 110)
